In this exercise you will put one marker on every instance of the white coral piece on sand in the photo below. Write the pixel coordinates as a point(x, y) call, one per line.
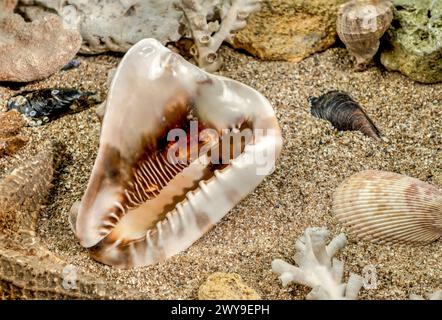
point(208, 36)
point(436, 295)
point(317, 268)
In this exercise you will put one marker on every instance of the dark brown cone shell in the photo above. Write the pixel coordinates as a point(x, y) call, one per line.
point(344, 113)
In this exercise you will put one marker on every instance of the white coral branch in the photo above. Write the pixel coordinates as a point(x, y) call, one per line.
point(208, 36)
point(436, 295)
point(317, 268)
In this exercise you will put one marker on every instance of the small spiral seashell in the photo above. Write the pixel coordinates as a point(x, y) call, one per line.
point(385, 207)
point(343, 113)
point(361, 24)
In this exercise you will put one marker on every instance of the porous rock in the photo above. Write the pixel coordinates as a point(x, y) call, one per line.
point(33, 51)
point(289, 30)
point(226, 286)
point(7, 6)
point(414, 40)
point(113, 25)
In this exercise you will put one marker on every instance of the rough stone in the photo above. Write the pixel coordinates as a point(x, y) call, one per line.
point(414, 40)
point(289, 30)
point(28, 270)
point(10, 139)
point(7, 6)
point(226, 286)
point(24, 192)
point(113, 25)
point(33, 51)
point(12, 123)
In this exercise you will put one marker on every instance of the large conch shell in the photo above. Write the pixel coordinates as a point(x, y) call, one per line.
point(387, 208)
point(140, 207)
point(361, 24)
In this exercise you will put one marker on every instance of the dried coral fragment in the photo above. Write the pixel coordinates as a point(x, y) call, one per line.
point(208, 36)
point(386, 207)
point(317, 268)
point(147, 201)
point(361, 24)
point(24, 192)
point(343, 113)
point(112, 25)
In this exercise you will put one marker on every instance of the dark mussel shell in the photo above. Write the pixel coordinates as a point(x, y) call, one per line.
point(344, 113)
point(50, 104)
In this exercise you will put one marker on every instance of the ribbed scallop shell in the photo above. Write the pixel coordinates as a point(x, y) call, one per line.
point(388, 208)
point(360, 25)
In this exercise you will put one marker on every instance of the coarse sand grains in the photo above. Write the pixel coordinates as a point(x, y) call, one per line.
point(264, 226)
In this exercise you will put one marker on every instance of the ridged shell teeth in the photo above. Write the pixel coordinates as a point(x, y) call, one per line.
point(108, 224)
point(149, 241)
point(112, 215)
point(171, 220)
point(385, 207)
point(103, 231)
point(119, 206)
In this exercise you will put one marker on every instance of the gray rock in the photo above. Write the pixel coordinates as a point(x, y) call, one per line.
point(415, 40)
point(112, 25)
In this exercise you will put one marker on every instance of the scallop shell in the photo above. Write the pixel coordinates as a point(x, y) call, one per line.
point(344, 113)
point(361, 24)
point(139, 207)
point(387, 208)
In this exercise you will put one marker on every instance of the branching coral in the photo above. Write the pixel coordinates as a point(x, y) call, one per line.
point(317, 267)
point(208, 36)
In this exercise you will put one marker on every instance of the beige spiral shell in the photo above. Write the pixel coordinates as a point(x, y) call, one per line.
point(361, 24)
point(385, 207)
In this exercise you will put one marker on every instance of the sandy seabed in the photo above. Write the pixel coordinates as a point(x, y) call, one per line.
point(314, 161)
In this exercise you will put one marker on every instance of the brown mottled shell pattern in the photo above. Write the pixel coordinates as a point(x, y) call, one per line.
point(387, 208)
point(361, 24)
point(140, 206)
